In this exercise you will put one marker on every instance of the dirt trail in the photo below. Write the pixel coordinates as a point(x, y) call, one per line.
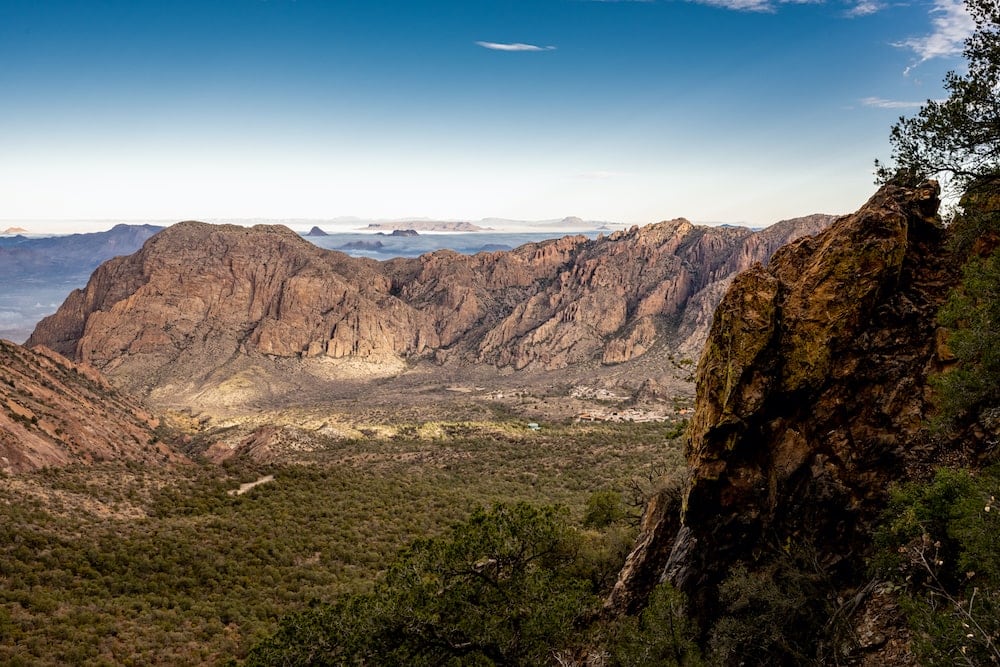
point(249, 485)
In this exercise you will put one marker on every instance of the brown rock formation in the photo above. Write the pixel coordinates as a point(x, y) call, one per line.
point(198, 295)
point(199, 302)
point(811, 399)
point(54, 412)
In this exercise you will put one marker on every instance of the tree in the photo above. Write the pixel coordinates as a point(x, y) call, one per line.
point(504, 587)
point(973, 315)
point(959, 136)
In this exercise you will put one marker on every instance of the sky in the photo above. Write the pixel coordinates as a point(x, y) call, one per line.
point(634, 111)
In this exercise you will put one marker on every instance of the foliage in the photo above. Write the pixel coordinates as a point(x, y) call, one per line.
point(662, 634)
point(127, 563)
point(498, 589)
point(973, 315)
point(978, 219)
point(958, 136)
point(938, 541)
point(603, 509)
point(774, 615)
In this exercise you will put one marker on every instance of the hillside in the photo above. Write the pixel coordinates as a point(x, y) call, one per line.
point(219, 314)
point(54, 412)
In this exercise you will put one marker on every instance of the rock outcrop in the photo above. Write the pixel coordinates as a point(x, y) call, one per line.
point(811, 399)
point(196, 299)
point(198, 295)
point(54, 412)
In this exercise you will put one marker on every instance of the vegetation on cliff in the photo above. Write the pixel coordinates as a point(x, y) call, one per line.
point(960, 135)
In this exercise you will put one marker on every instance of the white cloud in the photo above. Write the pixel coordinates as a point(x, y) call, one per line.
point(865, 8)
point(952, 25)
point(499, 46)
point(881, 103)
point(753, 5)
point(740, 5)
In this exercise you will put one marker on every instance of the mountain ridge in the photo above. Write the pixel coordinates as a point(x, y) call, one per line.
point(54, 412)
point(198, 299)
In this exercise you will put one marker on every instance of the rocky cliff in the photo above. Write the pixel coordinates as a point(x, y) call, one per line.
point(54, 412)
point(812, 398)
point(186, 311)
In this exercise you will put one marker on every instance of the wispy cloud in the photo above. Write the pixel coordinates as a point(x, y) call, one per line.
point(882, 103)
point(516, 46)
point(866, 8)
point(952, 25)
point(753, 5)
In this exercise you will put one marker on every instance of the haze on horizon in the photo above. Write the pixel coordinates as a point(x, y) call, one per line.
point(623, 110)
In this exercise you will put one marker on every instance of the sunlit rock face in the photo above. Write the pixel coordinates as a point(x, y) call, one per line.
point(200, 305)
point(54, 412)
point(811, 400)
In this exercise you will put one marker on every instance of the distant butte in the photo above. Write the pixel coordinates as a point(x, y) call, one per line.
point(428, 226)
point(14, 230)
point(399, 232)
point(316, 231)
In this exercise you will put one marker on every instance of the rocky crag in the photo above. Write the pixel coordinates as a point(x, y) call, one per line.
point(54, 412)
point(201, 306)
point(812, 398)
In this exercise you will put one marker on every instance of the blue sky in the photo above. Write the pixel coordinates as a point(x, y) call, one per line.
point(632, 111)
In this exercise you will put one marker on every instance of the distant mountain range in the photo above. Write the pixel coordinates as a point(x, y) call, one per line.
point(27, 256)
point(37, 272)
point(237, 315)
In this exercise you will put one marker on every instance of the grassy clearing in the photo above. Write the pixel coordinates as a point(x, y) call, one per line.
point(123, 564)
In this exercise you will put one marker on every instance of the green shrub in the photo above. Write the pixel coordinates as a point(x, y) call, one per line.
point(603, 509)
point(661, 635)
point(498, 589)
point(775, 615)
point(973, 315)
point(938, 542)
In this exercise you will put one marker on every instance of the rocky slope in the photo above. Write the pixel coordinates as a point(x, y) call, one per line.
point(812, 398)
point(202, 306)
point(54, 412)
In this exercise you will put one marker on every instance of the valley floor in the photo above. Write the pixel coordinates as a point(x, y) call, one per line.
point(131, 564)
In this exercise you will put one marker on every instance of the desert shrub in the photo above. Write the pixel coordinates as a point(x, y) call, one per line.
point(158, 588)
point(603, 509)
point(662, 634)
point(497, 589)
point(972, 313)
point(938, 543)
point(777, 614)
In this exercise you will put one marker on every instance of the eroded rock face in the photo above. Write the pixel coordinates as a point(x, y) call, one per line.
point(574, 299)
point(811, 399)
point(54, 412)
point(197, 298)
point(199, 295)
